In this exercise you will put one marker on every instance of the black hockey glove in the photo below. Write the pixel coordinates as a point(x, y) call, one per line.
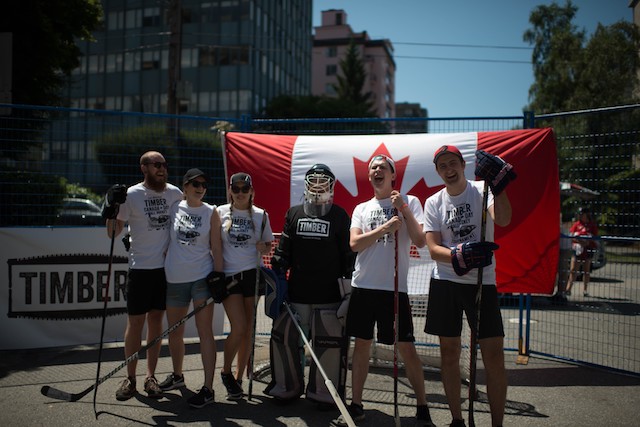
point(279, 264)
point(470, 255)
point(116, 195)
point(494, 170)
point(219, 285)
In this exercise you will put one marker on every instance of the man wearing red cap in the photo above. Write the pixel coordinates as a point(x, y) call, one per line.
point(453, 228)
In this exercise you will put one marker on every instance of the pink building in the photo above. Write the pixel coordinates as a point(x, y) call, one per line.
point(330, 44)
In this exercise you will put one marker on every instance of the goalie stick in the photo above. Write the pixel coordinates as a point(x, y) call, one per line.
point(475, 334)
point(54, 393)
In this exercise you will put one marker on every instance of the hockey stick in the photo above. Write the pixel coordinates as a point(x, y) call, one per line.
point(396, 335)
point(255, 312)
point(54, 393)
point(327, 381)
point(475, 334)
point(105, 295)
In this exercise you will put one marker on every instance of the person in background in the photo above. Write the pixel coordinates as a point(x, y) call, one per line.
point(246, 237)
point(195, 250)
point(382, 230)
point(453, 231)
point(583, 248)
point(145, 207)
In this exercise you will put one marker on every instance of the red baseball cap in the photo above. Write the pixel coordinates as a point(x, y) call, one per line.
point(452, 149)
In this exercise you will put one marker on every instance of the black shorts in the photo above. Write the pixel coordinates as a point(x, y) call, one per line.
point(370, 306)
point(447, 301)
point(246, 285)
point(146, 291)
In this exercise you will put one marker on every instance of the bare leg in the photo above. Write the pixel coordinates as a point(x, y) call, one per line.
point(204, 325)
point(450, 348)
point(493, 360)
point(154, 329)
point(414, 371)
point(176, 338)
point(586, 274)
point(244, 350)
point(133, 340)
point(234, 306)
point(359, 368)
point(572, 274)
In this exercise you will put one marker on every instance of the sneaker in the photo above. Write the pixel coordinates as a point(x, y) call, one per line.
point(234, 391)
point(127, 389)
point(585, 294)
point(202, 398)
point(172, 382)
point(357, 414)
point(457, 423)
point(423, 418)
point(152, 388)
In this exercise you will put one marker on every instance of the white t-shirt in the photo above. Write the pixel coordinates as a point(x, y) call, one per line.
point(458, 220)
point(240, 232)
point(375, 266)
point(189, 255)
point(147, 213)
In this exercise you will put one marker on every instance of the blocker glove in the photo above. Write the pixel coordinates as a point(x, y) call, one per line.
point(494, 170)
point(116, 195)
point(470, 255)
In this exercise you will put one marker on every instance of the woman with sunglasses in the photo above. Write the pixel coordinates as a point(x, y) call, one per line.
point(195, 249)
point(246, 236)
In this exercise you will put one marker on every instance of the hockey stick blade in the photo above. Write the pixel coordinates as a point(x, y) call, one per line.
point(54, 393)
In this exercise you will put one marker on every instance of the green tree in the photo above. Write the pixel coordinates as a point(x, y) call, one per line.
point(351, 80)
point(44, 34)
point(44, 44)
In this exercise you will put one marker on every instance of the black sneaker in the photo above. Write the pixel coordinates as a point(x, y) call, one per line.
point(172, 382)
point(423, 418)
point(234, 391)
point(127, 389)
point(203, 398)
point(357, 414)
point(457, 423)
point(152, 388)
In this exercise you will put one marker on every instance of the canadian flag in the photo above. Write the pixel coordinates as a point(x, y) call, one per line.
point(529, 247)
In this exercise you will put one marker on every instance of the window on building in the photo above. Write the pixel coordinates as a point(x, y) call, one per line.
point(133, 19)
point(207, 56)
point(338, 18)
point(330, 89)
point(332, 52)
point(151, 60)
point(331, 70)
point(151, 17)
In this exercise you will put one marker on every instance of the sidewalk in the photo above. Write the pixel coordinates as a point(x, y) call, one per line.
point(542, 393)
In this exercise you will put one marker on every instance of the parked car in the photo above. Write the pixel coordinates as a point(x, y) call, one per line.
point(79, 211)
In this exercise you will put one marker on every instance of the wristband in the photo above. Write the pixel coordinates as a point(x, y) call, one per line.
point(404, 206)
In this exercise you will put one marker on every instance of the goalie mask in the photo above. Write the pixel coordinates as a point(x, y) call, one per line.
point(318, 190)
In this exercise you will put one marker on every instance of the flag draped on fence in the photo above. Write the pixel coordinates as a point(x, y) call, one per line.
point(528, 255)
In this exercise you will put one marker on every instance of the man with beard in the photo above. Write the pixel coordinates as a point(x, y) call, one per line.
point(145, 207)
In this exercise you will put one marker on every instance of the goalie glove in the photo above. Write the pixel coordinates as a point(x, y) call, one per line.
point(467, 256)
point(494, 170)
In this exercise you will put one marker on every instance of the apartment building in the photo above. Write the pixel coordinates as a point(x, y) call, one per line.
point(223, 58)
point(330, 43)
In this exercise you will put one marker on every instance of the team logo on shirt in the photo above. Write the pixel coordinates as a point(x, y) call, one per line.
point(186, 230)
point(240, 232)
point(459, 222)
point(156, 210)
point(313, 227)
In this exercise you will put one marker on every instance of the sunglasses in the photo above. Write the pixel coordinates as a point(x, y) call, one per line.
point(158, 165)
point(237, 189)
point(198, 184)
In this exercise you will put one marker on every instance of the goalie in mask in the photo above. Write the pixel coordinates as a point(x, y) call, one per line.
point(316, 230)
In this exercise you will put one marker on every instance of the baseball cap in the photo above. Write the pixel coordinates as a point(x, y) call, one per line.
point(452, 149)
point(193, 174)
point(241, 177)
point(387, 159)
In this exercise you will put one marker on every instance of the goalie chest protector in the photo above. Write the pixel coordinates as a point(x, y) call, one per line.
point(331, 347)
point(287, 381)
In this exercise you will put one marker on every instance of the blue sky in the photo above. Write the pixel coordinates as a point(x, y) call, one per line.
point(474, 81)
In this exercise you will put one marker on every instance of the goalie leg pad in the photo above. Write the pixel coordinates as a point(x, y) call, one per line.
point(287, 380)
point(331, 347)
